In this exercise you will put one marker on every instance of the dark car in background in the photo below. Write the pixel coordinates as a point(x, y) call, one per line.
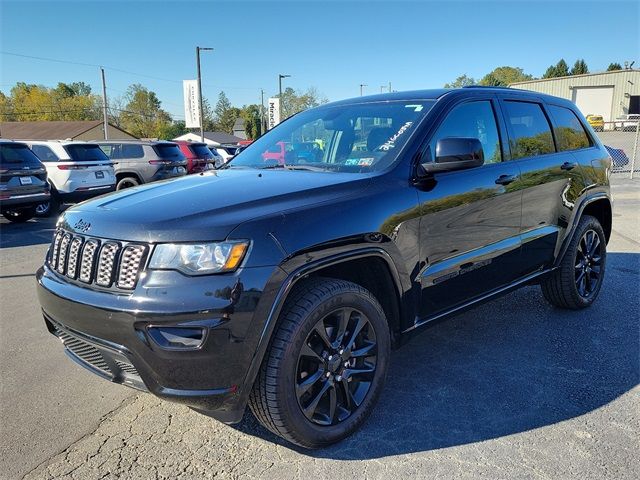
point(199, 157)
point(138, 161)
point(23, 181)
point(284, 286)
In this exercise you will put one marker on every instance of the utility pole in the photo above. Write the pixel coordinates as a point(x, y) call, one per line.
point(198, 49)
point(262, 125)
point(280, 77)
point(389, 87)
point(362, 85)
point(382, 87)
point(104, 106)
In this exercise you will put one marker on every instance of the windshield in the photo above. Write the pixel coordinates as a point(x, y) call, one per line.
point(346, 138)
point(85, 153)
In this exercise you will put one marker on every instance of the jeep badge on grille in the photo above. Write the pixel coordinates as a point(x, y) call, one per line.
point(82, 226)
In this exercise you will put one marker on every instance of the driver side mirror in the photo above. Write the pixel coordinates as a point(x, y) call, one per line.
point(453, 153)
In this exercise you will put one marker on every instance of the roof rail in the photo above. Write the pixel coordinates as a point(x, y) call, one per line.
point(487, 86)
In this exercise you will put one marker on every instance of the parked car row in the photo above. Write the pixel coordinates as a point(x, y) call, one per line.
point(37, 176)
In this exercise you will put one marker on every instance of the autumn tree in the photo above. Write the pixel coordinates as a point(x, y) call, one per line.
point(143, 115)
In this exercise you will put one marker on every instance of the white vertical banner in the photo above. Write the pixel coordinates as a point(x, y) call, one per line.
point(191, 104)
point(273, 113)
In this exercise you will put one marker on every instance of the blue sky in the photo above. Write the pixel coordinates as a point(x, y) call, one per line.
point(333, 46)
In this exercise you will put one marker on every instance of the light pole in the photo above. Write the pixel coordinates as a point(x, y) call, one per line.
point(280, 77)
point(198, 49)
point(362, 85)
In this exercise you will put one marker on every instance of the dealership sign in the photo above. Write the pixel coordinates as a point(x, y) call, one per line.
point(191, 105)
point(273, 113)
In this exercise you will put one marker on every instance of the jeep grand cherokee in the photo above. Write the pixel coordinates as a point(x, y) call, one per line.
point(284, 285)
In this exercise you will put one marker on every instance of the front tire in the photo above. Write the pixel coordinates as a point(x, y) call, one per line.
point(577, 282)
point(325, 366)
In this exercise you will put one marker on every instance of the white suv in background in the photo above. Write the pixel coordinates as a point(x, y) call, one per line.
point(77, 171)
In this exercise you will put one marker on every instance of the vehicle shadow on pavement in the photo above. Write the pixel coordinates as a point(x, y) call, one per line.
point(37, 231)
point(508, 366)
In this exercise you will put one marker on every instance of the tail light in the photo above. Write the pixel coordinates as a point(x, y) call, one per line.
point(160, 162)
point(72, 167)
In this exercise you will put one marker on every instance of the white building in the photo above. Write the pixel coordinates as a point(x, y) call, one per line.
point(610, 94)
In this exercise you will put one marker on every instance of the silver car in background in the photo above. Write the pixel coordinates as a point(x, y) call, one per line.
point(141, 161)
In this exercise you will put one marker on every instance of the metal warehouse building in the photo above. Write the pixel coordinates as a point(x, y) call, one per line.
point(610, 94)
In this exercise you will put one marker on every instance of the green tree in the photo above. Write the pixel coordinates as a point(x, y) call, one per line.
point(35, 102)
point(462, 81)
point(294, 101)
point(550, 72)
point(143, 115)
point(579, 68)
point(562, 69)
point(504, 76)
point(172, 130)
point(225, 114)
point(251, 116)
point(614, 66)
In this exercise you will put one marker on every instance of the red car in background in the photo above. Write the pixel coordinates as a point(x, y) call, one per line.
point(199, 157)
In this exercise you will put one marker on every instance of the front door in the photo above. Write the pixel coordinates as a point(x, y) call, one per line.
point(470, 225)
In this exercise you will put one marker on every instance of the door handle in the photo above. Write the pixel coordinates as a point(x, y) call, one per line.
point(568, 165)
point(506, 179)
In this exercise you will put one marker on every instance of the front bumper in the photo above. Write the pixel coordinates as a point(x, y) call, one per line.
point(108, 334)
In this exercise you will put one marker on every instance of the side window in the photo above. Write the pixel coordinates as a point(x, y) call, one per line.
point(472, 120)
point(128, 150)
point(530, 130)
point(570, 133)
point(44, 153)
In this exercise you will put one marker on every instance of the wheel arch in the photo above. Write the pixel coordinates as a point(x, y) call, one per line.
point(599, 206)
point(121, 175)
point(332, 264)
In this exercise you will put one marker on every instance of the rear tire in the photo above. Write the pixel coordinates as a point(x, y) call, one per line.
point(577, 282)
point(20, 216)
point(127, 182)
point(344, 367)
point(52, 207)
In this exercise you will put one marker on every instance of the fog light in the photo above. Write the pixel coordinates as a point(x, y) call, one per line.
point(177, 338)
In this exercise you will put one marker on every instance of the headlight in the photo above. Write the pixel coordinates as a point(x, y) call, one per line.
point(199, 259)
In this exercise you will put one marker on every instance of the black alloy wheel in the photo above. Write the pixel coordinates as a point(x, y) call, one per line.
point(336, 366)
point(588, 264)
point(577, 280)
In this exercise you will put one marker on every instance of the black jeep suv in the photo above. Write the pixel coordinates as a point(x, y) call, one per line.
point(283, 283)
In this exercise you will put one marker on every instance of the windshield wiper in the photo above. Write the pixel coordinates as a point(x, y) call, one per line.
point(309, 168)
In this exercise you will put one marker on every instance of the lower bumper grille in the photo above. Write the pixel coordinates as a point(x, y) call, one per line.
point(106, 361)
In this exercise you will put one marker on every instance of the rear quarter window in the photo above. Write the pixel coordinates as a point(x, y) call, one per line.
point(530, 130)
point(128, 150)
point(570, 134)
point(85, 153)
point(44, 153)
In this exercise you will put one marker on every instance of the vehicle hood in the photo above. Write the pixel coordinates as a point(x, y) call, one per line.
point(205, 207)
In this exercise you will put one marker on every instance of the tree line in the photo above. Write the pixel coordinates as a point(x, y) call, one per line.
point(504, 76)
point(139, 111)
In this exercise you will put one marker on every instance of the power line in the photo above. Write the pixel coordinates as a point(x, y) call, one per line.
point(115, 69)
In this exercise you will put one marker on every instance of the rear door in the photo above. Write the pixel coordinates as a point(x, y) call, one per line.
point(470, 225)
point(89, 166)
point(551, 180)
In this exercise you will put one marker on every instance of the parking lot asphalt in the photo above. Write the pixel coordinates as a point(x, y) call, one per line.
point(511, 389)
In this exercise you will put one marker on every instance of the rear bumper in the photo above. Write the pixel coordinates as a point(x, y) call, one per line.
point(80, 195)
point(108, 334)
point(23, 201)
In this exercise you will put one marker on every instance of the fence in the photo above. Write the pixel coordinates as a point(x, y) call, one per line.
point(621, 139)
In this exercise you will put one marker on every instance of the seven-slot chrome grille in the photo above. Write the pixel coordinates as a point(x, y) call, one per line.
point(105, 263)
